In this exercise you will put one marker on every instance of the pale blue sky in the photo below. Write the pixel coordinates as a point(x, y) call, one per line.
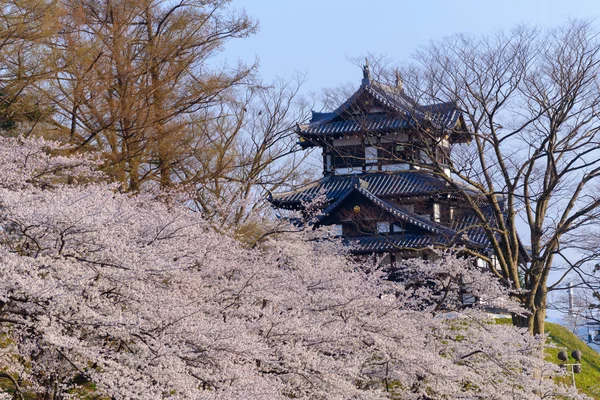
point(317, 37)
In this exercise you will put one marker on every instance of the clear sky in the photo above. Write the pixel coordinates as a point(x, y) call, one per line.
point(317, 37)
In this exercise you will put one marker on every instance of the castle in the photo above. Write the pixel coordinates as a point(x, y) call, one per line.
point(384, 157)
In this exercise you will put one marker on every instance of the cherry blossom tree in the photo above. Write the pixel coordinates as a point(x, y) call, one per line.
point(130, 297)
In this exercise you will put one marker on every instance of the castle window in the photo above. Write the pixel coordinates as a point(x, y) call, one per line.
point(394, 153)
point(436, 212)
point(371, 155)
point(348, 156)
point(383, 227)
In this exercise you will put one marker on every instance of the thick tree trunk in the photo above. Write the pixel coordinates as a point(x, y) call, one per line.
point(520, 321)
point(535, 321)
point(538, 321)
point(539, 316)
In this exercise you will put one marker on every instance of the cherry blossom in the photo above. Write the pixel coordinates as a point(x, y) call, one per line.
point(136, 298)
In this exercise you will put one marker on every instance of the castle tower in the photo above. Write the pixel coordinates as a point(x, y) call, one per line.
point(383, 156)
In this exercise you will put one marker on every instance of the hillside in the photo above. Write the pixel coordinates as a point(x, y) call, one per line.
point(588, 381)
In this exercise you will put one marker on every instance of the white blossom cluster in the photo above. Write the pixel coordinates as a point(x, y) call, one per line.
point(128, 297)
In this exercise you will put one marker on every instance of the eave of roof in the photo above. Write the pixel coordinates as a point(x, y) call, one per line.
point(381, 184)
point(465, 231)
point(450, 236)
point(396, 242)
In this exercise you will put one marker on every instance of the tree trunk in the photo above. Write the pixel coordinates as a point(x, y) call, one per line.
point(535, 321)
point(133, 164)
point(539, 316)
point(520, 321)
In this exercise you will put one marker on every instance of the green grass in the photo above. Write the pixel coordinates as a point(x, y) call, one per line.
point(588, 381)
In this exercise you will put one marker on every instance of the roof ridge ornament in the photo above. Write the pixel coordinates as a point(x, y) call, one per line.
point(358, 183)
point(399, 82)
point(366, 73)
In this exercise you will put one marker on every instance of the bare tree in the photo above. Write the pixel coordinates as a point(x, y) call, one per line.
point(244, 149)
point(531, 99)
point(24, 27)
point(579, 301)
point(128, 74)
point(134, 81)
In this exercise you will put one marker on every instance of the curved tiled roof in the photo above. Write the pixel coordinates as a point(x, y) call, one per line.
point(390, 243)
point(375, 187)
point(402, 113)
point(401, 183)
point(392, 97)
point(368, 123)
point(442, 234)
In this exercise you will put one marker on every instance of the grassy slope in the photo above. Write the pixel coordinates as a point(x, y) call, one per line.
point(588, 381)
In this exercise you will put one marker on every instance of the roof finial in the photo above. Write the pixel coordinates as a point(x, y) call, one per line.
point(366, 73)
point(399, 83)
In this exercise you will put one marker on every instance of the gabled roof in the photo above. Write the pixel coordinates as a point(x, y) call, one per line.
point(359, 188)
point(390, 97)
point(407, 216)
point(375, 187)
point(438, 234)
point(400, 112)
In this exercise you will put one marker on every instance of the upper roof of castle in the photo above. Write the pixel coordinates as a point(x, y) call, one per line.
point(378, 109)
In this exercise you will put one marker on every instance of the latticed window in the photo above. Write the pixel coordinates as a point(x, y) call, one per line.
point(394, 153)
point(348, 156)
point(383, 227)
point(371, 155)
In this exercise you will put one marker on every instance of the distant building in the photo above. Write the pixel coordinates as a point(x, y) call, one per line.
point(380, 197)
